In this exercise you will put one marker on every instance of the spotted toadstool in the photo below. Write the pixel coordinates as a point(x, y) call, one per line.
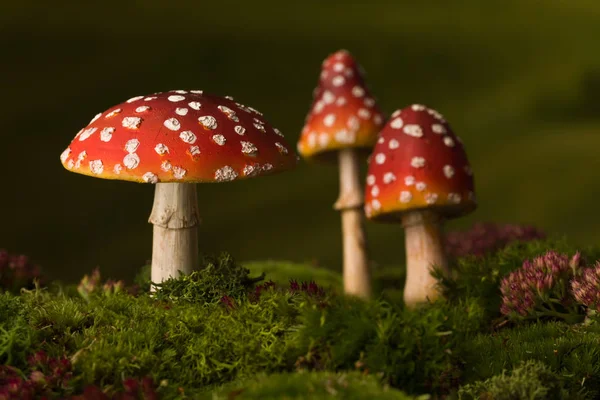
point(343, 122)
point(419, 174)
point(174, 140)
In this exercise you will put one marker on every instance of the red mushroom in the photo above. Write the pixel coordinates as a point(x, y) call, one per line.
point(174, 140)
point(419, 174)
point(344, 120)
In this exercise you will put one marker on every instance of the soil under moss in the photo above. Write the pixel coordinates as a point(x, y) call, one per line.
point(226, 332)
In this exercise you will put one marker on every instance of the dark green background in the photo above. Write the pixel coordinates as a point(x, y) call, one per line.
point(519, 80)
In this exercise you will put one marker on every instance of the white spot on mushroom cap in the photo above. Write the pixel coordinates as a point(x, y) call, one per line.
point(282, 149)
point(353, 123)
point(131, 122)
point(195, 105)
point(278, 132)
point(248, 148)
point(417, 162)
point(132, 145)
point(142, 109)
point(131, 161)
point(161, 149)
point(396, 113)
point(409, 180)
point(431, 198)
point(188, 137)
point(95, 118)
point(194, 151)
point(323, 139)
point(311, 139)
point(319, 106)
point(181, 111)
point(197, 91)
point(113, 113)
point(328, 97)
point(106, 134)
point(250, 170)
point(150, 98)
point(393, 144)
point(338, 81)
point(448, 171)
point(136, 98)
point(379, 158)
point(357, 91)
point(219, 139)
point(225, 173)
point(370, 180)
point(341, 101)
point(420, 186)
point(254, 110)
point(413, 130)
point(448, 141)
point(405, 196)
point(229, 98)
point(149, 177)
point(376, 204)
point(175, 98)
point(240, 130)
point(454, 198)
point(381, 140)
point(80, 157)
point(229, 112)
point(208, 121)
point(436, 115)
point(363, 113)
point(267, 167)
point(375, 191)
point(178, 172)
point(338, 67)
point(117, 168)
point(96, 167)
point(397, 123)
point(65, 154)
point(369, 102)
point(166, 166)
point(438, 128)
point(180, 91)
point(345, 136)
point(418, 107)
point(389, 177)
point(378, 119)
point(329, 120)
point(87, 133)
point(260, 127)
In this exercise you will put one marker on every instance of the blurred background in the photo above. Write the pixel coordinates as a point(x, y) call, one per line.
point(519, 80)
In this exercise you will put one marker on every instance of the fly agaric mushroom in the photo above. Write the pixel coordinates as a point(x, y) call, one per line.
point(344, 119)
point(419, 174)
point(174, 140)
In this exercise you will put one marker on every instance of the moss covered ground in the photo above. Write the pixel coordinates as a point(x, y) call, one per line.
point(280, 330)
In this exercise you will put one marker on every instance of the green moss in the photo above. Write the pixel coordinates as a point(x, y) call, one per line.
point(531, 380)
point(314, 386)
point(218, 326)
point(281, 272)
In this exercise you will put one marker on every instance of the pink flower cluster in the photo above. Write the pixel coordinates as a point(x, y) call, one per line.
point(540, 288)
point(586, 287)
point(484, 238)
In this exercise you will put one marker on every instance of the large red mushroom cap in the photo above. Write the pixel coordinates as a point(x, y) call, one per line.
point(418, 163)
point(178, 136)
point(343, 113)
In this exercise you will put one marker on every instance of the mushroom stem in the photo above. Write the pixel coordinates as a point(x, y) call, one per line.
point(175, 242)
point(357, 279)
point(424, 250)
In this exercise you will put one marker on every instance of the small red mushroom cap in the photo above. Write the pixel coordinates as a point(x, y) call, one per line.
point(178, 136)
point(418, 163)
point(343, 113)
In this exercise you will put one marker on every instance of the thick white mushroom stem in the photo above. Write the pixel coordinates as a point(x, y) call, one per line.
point(357, 278)
point(175, 219)
point(424, 250)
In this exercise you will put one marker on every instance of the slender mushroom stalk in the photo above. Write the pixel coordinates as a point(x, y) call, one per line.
point(356, 272)
point(175, 239)
point(424, 250)
point(175, 140)
point(344, 118)
point(419, 174)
